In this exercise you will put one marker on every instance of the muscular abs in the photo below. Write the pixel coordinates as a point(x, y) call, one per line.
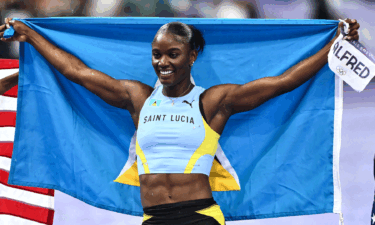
point(158, 189)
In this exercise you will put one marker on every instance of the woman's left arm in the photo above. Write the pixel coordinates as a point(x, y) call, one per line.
point(241, 98)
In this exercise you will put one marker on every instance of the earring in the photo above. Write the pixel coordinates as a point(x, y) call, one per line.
point(191, 64)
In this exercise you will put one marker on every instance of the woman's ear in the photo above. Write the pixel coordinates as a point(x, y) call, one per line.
point(193, 56)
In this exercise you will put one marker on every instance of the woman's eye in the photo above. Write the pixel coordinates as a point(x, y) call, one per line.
point(173, 55)
point(156, 55)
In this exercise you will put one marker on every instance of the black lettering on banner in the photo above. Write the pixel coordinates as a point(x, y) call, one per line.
point(153, 119)
point(335, 47)
point(187, 119)
point(149, 118)
point(182, 118)
point(191, 120)
point(172, 118)
point(344, 56)
point(338, 52)
point(158, 117)
point(177, 118)
point(352, 63)
point(364, 76)
point(145, 119)
point(358, 67)
point(164, 117)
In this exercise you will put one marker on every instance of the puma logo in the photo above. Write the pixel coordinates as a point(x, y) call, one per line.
point(188, 103)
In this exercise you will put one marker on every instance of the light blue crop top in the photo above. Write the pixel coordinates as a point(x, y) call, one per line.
point(174, 138)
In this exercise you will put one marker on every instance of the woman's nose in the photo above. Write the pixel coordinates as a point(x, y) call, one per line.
point(163, 61)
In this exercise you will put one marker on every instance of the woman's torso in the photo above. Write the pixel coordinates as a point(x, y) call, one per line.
point(164, 188)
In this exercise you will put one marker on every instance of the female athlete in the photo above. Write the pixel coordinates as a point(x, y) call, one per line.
point(176, 191)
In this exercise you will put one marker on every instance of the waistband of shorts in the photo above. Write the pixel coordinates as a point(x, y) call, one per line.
point(186, 206)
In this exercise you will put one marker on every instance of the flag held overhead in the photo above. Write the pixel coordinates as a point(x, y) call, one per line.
point(275, 160)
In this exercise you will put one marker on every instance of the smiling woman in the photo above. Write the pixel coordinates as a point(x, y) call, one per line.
point(178, 124)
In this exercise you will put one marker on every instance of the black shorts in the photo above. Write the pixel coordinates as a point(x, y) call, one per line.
point(197, 212)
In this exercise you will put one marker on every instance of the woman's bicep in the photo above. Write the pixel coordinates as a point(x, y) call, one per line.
point(115, 92)
point(251, 95)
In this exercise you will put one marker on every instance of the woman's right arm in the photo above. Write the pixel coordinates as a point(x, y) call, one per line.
point(119, 93)
point(8, 82)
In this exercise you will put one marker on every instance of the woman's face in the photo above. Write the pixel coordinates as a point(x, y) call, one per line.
point(171, 59)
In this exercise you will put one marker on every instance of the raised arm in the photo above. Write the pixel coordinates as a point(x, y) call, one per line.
point(239, 98)
point(119, 93)
point(8, 82)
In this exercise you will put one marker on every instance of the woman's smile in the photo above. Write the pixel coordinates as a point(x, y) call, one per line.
point(166, 72)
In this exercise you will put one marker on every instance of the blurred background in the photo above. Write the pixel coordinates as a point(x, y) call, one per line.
point(358, 120)
point(287, 9)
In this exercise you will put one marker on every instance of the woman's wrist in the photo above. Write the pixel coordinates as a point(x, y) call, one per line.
point(30, 36)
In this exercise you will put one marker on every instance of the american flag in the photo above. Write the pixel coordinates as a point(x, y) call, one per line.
point(19, 205)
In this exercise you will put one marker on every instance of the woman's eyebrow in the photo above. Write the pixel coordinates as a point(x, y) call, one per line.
point(173, 49)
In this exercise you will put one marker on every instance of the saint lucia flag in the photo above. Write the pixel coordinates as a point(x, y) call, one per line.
point(280, 159)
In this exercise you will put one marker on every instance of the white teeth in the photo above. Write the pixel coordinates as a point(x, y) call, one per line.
point(166, 72)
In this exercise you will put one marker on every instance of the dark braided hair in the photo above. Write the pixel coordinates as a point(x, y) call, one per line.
point(184, 33)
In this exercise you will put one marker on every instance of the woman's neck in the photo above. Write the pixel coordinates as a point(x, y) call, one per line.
point(178, 90)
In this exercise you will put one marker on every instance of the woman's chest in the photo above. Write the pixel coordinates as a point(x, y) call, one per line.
point(170, 127)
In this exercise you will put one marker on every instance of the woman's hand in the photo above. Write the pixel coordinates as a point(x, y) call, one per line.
point(21, 30)
point(353, 29)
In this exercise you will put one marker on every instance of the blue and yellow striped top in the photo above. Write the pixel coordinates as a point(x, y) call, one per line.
point(173, 137)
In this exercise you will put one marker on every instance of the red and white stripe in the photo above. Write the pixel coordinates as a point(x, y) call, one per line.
point(18, 204)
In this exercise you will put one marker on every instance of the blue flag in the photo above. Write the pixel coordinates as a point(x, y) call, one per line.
point(280, 159)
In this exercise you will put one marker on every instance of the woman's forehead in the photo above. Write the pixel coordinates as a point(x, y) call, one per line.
point(168, 39)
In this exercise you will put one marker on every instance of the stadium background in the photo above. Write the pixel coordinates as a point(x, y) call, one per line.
point(358, 138)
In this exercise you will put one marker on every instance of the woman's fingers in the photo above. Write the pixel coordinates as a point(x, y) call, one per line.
point(353, 32)
point(352, 37)
point(350, 21)
point(8, 19)
point(6, 39)
point(354, 26)
point(353, 29)
point(355, 37)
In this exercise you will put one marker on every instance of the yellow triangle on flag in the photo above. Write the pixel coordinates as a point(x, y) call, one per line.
point(130, 176)
point(221, 180)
